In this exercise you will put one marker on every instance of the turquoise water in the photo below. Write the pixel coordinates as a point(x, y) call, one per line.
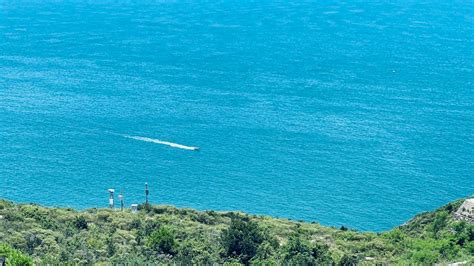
point(345, 113)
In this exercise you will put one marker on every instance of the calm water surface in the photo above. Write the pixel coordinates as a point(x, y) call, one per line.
point(346, 113)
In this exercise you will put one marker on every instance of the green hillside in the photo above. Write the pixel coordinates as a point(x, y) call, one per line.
point(31, 234)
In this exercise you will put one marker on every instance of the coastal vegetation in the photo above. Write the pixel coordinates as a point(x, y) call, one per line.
point(32, 234)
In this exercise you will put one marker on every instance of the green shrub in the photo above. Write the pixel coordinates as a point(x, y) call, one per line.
point(470, 232)
point(196, 253)
point(33, 240)
point(440, 221)
point(348, 260)
point(425, 257)
point(299, 251)
point(265, 251)
point(470, 248)
point(242, 239)
point(14, 257)
point(162, 241)
point(80, 223)
point(136, 223)
point(103, 217)
point(205, 218)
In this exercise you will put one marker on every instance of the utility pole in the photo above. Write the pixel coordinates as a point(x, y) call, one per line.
point(147, 192)
point(111, 198)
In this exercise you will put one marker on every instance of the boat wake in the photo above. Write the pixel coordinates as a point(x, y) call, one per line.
point(167, 143)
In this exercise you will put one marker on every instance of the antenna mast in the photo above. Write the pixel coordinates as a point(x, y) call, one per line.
point(147, 192)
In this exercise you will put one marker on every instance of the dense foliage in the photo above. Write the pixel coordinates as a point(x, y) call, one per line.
point(163, 234)
point(13, 256)
point(242, 239)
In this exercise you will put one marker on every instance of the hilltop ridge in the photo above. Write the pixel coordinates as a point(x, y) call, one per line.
point(32, 234)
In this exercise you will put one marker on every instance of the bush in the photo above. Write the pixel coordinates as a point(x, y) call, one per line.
point(196, 253)
point(470, 232)
point(80, 223)
point(33, 240)
point(426, 257)
point(265, 251)
point(439, 223)
point(109, 241)
point(470, 248)
point(205, 218)
point(448, 249)
point(136, 223)
point(162, 241)
point(242, 239)
point(321, 253)
point(130, 259)
point(348, 260)
point(13, 256)
point(299, 251)
point(103, 217)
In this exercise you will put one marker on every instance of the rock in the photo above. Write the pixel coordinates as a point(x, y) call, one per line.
point(458, 263)
point(466, 211)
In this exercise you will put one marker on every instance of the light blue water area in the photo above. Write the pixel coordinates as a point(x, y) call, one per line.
point(356, 113)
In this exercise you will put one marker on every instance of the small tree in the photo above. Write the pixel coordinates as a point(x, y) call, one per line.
point(242, 239)
point(162, 241)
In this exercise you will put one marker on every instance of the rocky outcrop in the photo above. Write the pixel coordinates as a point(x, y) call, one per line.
point(466, 211)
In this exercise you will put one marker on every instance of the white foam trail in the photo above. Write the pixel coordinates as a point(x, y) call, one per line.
point(157, 141)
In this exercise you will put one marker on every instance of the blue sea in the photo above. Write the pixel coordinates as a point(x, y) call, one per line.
point(355, 113)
